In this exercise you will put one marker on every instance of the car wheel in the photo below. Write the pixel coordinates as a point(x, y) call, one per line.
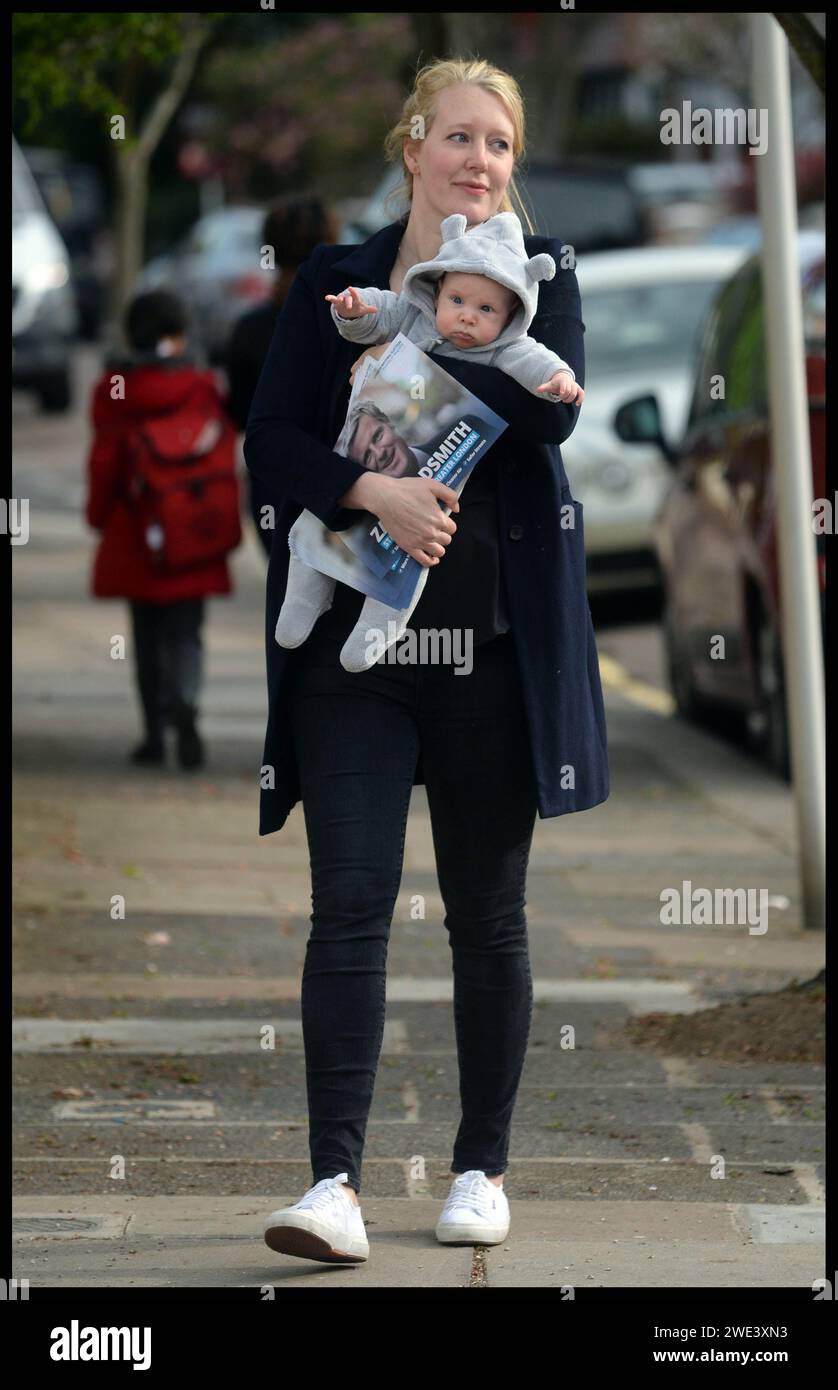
point(708, 714)
point(769, 722)
point(652, 603)
point(54, 391)
point(678, 673)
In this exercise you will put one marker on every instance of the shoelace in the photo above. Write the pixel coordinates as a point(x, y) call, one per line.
point(471, 1190)
point(323, 1194)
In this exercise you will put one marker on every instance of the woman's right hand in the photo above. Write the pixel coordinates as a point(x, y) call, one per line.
point(409, 510)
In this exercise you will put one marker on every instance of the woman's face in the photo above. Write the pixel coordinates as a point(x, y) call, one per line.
point(466, 158)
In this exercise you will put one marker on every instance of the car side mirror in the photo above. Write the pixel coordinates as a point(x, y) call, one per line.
point(638, 422)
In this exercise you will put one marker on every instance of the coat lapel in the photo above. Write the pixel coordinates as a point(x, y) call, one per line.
point(367, 264)
point(373, 259)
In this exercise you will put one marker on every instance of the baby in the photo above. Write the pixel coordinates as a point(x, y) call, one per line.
point(475, 300)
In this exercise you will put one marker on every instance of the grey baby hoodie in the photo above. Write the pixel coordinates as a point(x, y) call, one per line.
point(494, 248)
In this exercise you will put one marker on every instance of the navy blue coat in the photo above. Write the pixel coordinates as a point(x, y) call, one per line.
point(297, 414)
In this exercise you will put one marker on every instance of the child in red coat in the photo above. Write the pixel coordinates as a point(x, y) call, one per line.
point(167, 610)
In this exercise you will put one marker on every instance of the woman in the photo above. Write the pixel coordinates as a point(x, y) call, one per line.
point(523, 733)
point(294, 225)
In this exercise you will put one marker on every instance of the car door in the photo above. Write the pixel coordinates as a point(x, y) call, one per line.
point(743, 477)
point(704, 558)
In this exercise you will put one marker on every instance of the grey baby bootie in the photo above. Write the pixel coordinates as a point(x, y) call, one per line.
point(308, 594)
point(386, 625)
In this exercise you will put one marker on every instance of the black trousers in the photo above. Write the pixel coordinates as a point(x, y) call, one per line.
point(357, 739)
point(168, 649)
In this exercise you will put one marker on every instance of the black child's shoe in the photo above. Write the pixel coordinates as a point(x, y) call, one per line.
point(190, 748)
point(149, 753)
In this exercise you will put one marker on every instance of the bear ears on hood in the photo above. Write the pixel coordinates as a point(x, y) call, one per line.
point(505, 227)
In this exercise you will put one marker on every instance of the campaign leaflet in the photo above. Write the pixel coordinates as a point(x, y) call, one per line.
point(409, 418)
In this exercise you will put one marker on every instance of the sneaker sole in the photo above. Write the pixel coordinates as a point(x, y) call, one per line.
point(463, 1234)
point(298, 1238)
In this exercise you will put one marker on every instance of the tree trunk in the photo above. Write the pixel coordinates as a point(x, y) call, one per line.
point(132, 159)
point(131, 204)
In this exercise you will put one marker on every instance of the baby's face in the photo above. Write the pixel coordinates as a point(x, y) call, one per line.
point(472, 309)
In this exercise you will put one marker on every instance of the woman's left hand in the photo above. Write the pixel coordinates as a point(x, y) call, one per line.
point(370, 352)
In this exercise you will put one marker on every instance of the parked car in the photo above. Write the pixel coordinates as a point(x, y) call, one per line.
point(746, 230)
point(44, 314)
point(683, 198)
point(642, 311)
point(216, 271)
point(717, 530)
point(74, 194)
point(589, 204)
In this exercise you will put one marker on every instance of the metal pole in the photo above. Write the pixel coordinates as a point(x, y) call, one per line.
point(792, 461)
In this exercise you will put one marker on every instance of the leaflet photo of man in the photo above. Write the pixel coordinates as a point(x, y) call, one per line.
point(376, 444)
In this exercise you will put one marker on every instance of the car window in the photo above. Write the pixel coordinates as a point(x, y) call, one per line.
point(717, 339)
point(734, 345)
point(644, 326)
point(745, 377)
point(750, 344)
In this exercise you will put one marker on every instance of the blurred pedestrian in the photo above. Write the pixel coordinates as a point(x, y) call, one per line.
point(294, 226)
point(163, 490)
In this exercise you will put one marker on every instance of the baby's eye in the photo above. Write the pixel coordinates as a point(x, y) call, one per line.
point(490, 307)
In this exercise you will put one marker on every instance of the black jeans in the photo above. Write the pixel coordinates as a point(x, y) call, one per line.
point(168, 648)
point(357, 739)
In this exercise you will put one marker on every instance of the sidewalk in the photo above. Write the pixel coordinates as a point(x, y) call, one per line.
point(141, 1037)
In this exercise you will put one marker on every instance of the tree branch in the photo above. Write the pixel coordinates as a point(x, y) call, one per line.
point(167, 101)
point(808, 44)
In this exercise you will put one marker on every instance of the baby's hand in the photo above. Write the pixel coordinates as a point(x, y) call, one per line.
point(562, 384)
point(350, 305)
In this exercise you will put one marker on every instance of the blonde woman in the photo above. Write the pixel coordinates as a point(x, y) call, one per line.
point(522, 734)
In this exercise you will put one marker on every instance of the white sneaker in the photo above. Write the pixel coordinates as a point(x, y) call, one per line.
point(476, 1211)
point(324, 1225)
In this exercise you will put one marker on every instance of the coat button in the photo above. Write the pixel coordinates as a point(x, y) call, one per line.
point(515, 533)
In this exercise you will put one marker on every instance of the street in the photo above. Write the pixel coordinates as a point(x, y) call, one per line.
point(162, 1130)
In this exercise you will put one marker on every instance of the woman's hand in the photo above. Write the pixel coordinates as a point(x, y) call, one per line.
point(370, 352)
point(408, 509)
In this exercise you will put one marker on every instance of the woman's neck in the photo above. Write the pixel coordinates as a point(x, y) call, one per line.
point(421, 239)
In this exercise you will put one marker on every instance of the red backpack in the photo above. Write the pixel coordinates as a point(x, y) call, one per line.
point(184, 488)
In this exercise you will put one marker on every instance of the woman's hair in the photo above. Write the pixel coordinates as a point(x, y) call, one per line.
point(432, 79)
